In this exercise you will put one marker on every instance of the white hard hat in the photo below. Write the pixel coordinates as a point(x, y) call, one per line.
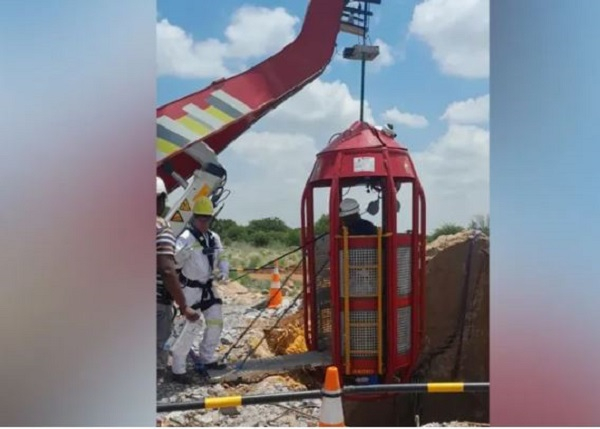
point(349, 206)
point(160, 187)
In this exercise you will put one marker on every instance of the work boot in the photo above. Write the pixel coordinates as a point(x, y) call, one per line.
point(181, 378)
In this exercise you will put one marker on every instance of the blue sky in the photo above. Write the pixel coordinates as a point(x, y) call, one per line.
point(434, 53)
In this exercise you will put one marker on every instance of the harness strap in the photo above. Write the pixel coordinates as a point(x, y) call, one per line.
point(208, 298)
point(208, 248)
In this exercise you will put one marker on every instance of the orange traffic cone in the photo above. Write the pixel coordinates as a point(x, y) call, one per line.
point(332, 413)
point(275, 296)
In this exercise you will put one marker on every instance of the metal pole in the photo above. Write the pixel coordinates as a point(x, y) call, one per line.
point(273, 398)
point(362, 88)
point(363, 66)
point(418, 388)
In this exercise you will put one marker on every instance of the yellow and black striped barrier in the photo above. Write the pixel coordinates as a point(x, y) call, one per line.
point(457, 387)
point(236, 401)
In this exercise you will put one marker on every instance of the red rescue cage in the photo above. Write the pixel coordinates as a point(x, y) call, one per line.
point(363, 295)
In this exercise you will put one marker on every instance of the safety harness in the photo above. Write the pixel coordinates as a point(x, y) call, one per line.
point(208, 298)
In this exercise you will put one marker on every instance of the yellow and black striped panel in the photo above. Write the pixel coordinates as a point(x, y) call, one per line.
point(172, 135)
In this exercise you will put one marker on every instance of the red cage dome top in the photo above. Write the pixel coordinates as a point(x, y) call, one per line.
point(363, 151)
point(362, 135)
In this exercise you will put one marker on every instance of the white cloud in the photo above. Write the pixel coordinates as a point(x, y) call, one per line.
point(267, 172)
point(253, 32)
point(179, 55)
point(409, 119)
point(267, 149)
point(454, 171)
point(257, 31)
point(385, 58)
point(320, 110)
point(471, 111)
point(458, 34)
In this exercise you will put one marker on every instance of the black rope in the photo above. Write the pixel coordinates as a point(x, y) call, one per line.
point(240, 366)
point(258, 315)
point(251, 352)
point(251, 270)
point(269, 301)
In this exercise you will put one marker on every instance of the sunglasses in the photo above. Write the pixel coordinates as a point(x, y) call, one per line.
point(202, 217)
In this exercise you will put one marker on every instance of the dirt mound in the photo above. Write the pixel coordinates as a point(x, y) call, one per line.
point(457, 325)
point(233, 288)
point(288, 337)
point(445, 241)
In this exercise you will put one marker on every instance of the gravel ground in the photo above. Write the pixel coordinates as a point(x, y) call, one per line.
point(239, 310)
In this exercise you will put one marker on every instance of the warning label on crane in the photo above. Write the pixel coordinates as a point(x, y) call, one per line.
point(203, 192)
point(366, 163)
point(185, 206)
point(177, 217)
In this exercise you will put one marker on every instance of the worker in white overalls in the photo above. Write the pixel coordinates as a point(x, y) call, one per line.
point(196, 251)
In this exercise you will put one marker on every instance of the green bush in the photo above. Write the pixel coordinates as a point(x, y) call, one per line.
point(273, 234)
point(292, 238)
point(260, 239)
point(445, 229)
point(255, 261)
point(269, 224)
point(322, 225)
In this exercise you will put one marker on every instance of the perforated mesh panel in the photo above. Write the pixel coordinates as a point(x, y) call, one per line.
point(403, 274)
point(363, 272)
point(323, 297)
point(363, 316)
point(363, 339)
point(403, 339)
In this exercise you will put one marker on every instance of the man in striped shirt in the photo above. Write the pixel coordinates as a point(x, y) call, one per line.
point(168, 288)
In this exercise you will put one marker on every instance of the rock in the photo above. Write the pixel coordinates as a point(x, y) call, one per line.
point(313, 403)
point(227, 341)
point(177, 417)
point(274, 383)
point(205, 418)
point(251, 313)
point(230, 411)
point(262, 350)
point(232, 288)
point(288, 420)
point(216, 389)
